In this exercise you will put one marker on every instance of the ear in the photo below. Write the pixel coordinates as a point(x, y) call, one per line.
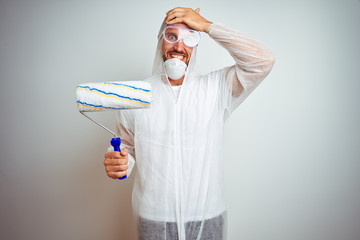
point(197, 10)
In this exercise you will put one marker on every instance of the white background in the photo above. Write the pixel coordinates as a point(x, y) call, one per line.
point(292, 149)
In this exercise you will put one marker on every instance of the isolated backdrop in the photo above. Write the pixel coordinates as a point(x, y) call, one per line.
point(292, 149)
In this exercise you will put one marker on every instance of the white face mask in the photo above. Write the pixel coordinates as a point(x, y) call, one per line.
point(175, 68)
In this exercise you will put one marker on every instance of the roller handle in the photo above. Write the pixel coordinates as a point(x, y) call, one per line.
point(115, 142)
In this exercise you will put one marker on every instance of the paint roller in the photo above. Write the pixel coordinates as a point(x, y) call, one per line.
point(95, 97)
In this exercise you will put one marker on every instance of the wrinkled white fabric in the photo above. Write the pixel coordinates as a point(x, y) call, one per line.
point(176, 144)
point(176, 90)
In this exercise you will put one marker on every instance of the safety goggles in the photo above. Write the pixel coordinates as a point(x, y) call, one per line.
point(173, 34)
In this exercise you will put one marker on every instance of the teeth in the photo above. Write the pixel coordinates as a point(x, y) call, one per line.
point(177, 56)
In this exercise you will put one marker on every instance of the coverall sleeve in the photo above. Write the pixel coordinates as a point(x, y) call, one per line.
point(253, 61)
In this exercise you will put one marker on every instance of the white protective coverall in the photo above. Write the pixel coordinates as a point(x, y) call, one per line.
point(177, 143)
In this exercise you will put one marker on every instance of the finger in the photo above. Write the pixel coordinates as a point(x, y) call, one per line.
point(171, 17)
point(113, 154)
point(116, 175)
point(115, 162)
point(121, 174)
point(117, 168)
point(197, 10)
point(124, 152)
point(171, 10)
point(175, 20)
point(176, 12)
point(177, 9)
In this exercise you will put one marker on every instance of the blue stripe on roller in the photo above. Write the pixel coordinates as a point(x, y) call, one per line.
point(114, 94)
point(97, 106)
point(125, 85)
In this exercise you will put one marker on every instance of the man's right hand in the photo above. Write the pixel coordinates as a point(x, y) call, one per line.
point(116, 163)
point(190, 17)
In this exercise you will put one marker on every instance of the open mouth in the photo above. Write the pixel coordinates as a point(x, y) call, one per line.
point(177, 56)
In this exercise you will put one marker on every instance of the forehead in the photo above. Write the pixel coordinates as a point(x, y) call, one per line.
point(181, 25)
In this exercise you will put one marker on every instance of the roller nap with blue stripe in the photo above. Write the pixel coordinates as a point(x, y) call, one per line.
point(91, 97)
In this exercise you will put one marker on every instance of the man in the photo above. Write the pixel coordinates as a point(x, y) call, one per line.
point(178, 189)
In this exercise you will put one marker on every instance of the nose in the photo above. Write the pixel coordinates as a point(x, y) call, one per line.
point(179, 46)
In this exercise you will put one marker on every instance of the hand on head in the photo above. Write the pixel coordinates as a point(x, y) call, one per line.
point(188, 16)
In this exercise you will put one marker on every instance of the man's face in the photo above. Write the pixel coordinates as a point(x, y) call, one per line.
point(177, 50)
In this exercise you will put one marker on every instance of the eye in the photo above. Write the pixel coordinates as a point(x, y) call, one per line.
point(171, 37)
point(192, 39)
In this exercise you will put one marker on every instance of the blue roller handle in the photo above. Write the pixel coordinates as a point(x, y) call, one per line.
point(115, 142)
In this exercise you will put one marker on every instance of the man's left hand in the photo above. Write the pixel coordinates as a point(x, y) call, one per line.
point(190, 17)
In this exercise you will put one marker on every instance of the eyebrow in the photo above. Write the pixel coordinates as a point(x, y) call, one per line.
point(171, 31)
